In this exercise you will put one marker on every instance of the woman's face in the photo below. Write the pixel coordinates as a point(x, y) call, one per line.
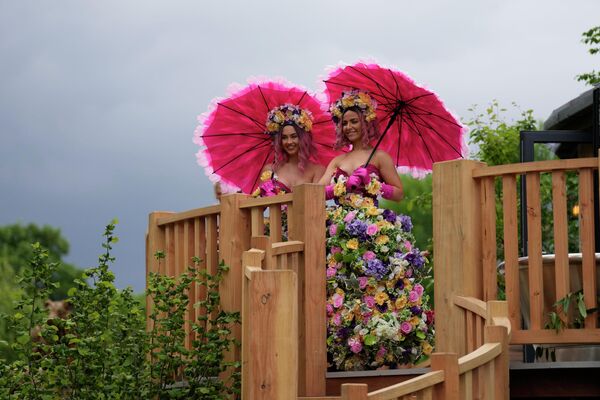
point(289, 140)
point(351, 127)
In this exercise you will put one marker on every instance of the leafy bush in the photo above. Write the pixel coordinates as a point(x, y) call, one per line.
point(102, 350)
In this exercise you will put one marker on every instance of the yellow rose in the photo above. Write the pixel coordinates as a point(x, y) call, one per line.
point(352, 244)
point(364, 98)
point(339, 189)
point(401, 302)
point(427, 348)
point(266, 175)
point(356, 200)
point(256, 193)
point(339, 291)
point(382, 239)
point(348, 101)
point(272, 127)
point(373, 187)
point(373, 211)
point(414, 321)
point(381, 298)
point(279, 116)
point(407, 284)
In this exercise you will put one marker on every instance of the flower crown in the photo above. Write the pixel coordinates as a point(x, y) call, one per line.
point(354, 98)
point(288, 114)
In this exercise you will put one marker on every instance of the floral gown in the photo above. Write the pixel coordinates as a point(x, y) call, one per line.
point(378, 315)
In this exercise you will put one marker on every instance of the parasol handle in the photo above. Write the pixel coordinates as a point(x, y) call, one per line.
point(391, 121)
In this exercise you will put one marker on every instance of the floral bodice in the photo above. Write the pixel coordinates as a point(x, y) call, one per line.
point(270, 185)
point(364, 196)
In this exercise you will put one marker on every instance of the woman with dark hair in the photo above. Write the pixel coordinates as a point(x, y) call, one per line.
point(293, 164)
point(355, 119)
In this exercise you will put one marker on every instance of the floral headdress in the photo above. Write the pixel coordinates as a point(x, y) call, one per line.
point(288, 114)
point(354, 98)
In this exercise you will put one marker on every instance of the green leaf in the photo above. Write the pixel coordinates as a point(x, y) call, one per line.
point(370, 340)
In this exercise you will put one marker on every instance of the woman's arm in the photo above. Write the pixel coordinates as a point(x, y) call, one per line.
point(390, 175)
point(317, 173)
point(326, 178)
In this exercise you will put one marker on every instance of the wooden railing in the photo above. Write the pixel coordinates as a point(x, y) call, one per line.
point(234, 232)
point(466, 263)
point(480, 374)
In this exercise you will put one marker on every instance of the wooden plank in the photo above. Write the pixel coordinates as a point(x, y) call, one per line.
point(422, 382)
point(250, 202)
point(587, 239)
point(195, 213)
point(561, 238)
point(292, 246)
point(309, 227)
point(188, 253)
point(500, 373)
point(425, 394)
point(535, 167)
point(478, 331)
point(534, 249)
point(470, 332)
point(511, 249)
point(212, 249)
point(484, 354)
point(169, 262)
point(488, 252)
point(448, 363)
point(155, 242)
point(354, 391)
point(566, 336)
point(200, 251)
point(275, 223)
point(472, 304)
point(271, 320)
point(457, 247)
point(466, 386)
point(179, 248)
point(258, 221)
point(234, 239)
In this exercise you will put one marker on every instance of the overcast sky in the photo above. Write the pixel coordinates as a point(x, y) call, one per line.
point(98, 99)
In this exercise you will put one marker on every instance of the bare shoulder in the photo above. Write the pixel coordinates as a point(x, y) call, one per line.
point(267, 167)
point(383, 158)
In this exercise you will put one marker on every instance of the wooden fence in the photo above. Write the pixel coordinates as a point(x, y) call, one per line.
point(234, 232)
point(465, 240)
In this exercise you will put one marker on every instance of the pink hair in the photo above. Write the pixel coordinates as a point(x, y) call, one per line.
point(369, 129)
point(305, 153)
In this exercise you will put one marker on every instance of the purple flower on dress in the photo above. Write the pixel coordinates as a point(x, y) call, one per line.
point(406, 223)
point(415, 258)
point(389, 215)
point(357, 228)
point(415, 310)
point(375, 268)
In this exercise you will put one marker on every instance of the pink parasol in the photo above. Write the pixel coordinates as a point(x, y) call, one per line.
point(417, 130)
point(232, 134)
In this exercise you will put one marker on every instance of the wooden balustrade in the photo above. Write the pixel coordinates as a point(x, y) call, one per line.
point(234, 232)
point(466, 263)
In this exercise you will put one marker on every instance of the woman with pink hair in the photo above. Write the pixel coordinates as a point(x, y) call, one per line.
point(290, 128)
point(356, 125)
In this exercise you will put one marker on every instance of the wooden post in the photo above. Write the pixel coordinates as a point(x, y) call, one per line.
point(234, 239)
point(457, 248)
point(499, 334)
point(270, 364)
point(447, 362)
point(155, 241)
point(309, 227)
point(354, 391)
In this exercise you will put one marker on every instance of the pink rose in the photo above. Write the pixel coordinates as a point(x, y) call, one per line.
point(408, 273)
point(372, 229)
point(369, 301)
point(419, 289)
point(362, 282)
point(413, 296)
point(338, 300)
point(381, 352)
point(406, 327)
point(369, 255)
point(408, 245)
point(349, 217)
point(335, 250)
point(331, 272)
point(355, 345)
point(329, 309)
point(337, 319)
point(367, 318)
point(332, 229)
